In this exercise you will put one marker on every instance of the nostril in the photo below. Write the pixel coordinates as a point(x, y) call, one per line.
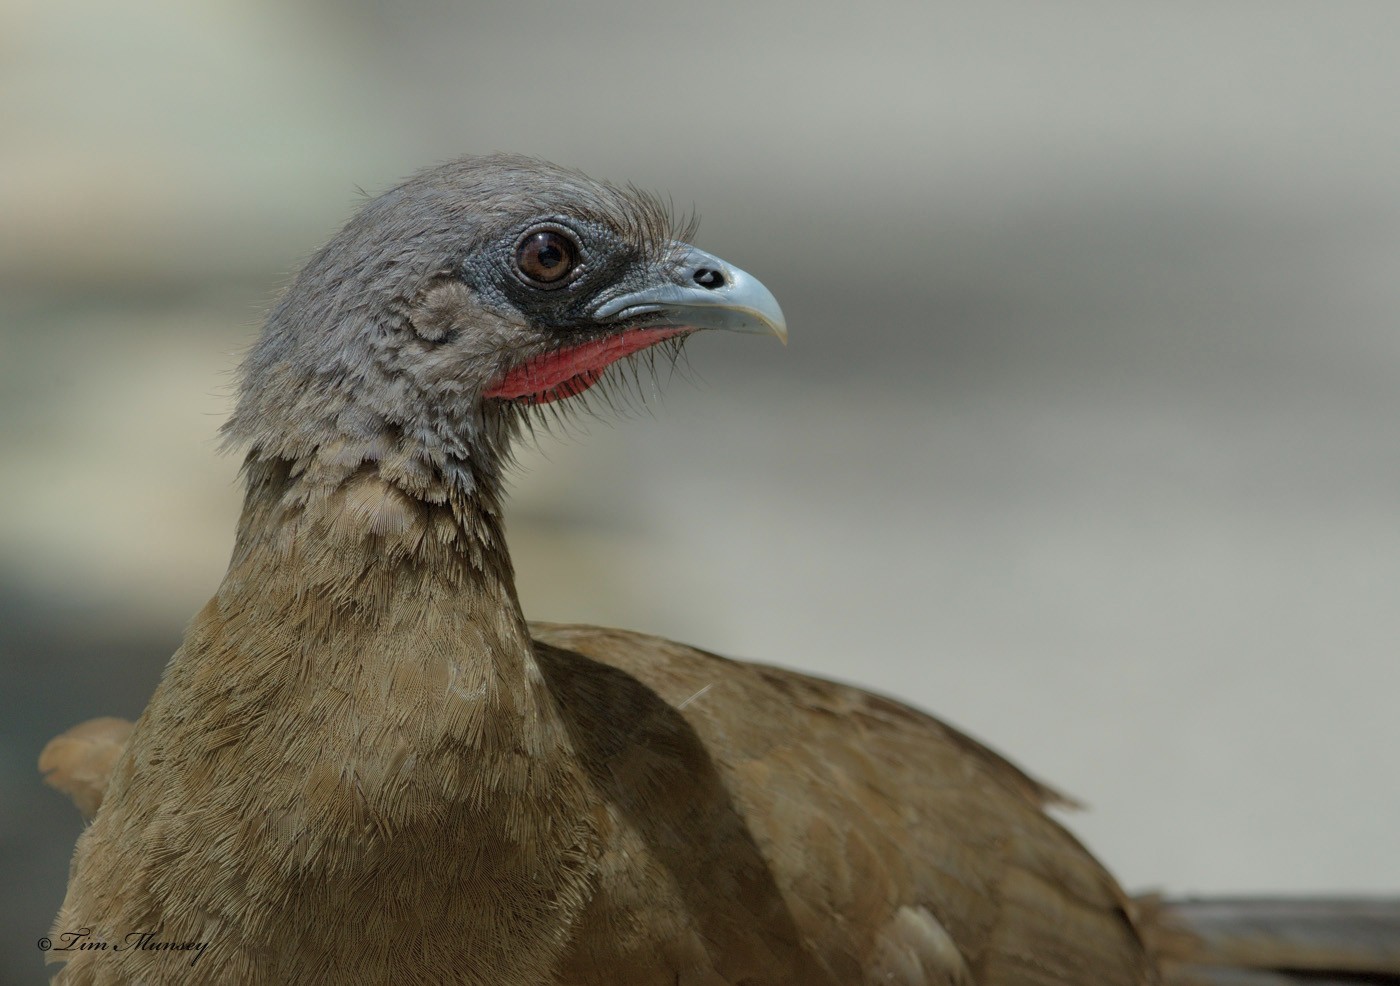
point(708, 277)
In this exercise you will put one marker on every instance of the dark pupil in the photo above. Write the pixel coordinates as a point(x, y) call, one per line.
point(545, 257)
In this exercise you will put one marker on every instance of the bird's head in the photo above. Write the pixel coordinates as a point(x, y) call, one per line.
point(470, 293)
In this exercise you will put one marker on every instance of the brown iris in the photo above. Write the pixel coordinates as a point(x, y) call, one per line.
point(546, 257)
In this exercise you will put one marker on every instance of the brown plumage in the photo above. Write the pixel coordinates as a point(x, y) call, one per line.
point(79, 763)
point(362, 766)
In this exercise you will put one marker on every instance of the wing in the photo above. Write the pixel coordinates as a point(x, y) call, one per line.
point(868, 842)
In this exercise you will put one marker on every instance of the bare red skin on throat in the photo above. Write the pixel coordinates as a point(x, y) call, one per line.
point(567, 372)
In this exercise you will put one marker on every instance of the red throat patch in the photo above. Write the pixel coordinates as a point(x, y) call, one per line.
point(567, 372)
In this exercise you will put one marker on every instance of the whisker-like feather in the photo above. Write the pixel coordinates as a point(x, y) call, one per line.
point(627, 389)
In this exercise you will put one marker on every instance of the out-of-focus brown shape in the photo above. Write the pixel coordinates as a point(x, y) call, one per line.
point(79, 762)
point(1270, 941)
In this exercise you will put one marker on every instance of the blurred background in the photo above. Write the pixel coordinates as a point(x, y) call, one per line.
point(1085, 439)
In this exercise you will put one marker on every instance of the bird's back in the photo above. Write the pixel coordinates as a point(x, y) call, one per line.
point(803, 831)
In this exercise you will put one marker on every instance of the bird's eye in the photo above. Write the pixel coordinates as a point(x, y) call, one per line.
point(546, 257)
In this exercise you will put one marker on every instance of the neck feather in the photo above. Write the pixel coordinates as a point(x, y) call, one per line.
point(365, 676)
point(366, 580)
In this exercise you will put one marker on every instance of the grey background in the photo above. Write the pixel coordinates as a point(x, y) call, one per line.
point(1085, 438)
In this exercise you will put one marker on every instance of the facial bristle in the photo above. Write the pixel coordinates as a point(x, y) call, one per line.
point(623, 390)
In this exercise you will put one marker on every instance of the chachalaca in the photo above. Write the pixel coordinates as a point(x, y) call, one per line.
point(363, 766)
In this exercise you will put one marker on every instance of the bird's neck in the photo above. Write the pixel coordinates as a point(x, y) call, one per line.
point(405, 600)
point(365, 668)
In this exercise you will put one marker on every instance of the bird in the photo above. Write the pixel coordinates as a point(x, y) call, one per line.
point(363, 764)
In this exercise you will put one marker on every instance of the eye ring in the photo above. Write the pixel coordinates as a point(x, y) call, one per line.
point(547, 257)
